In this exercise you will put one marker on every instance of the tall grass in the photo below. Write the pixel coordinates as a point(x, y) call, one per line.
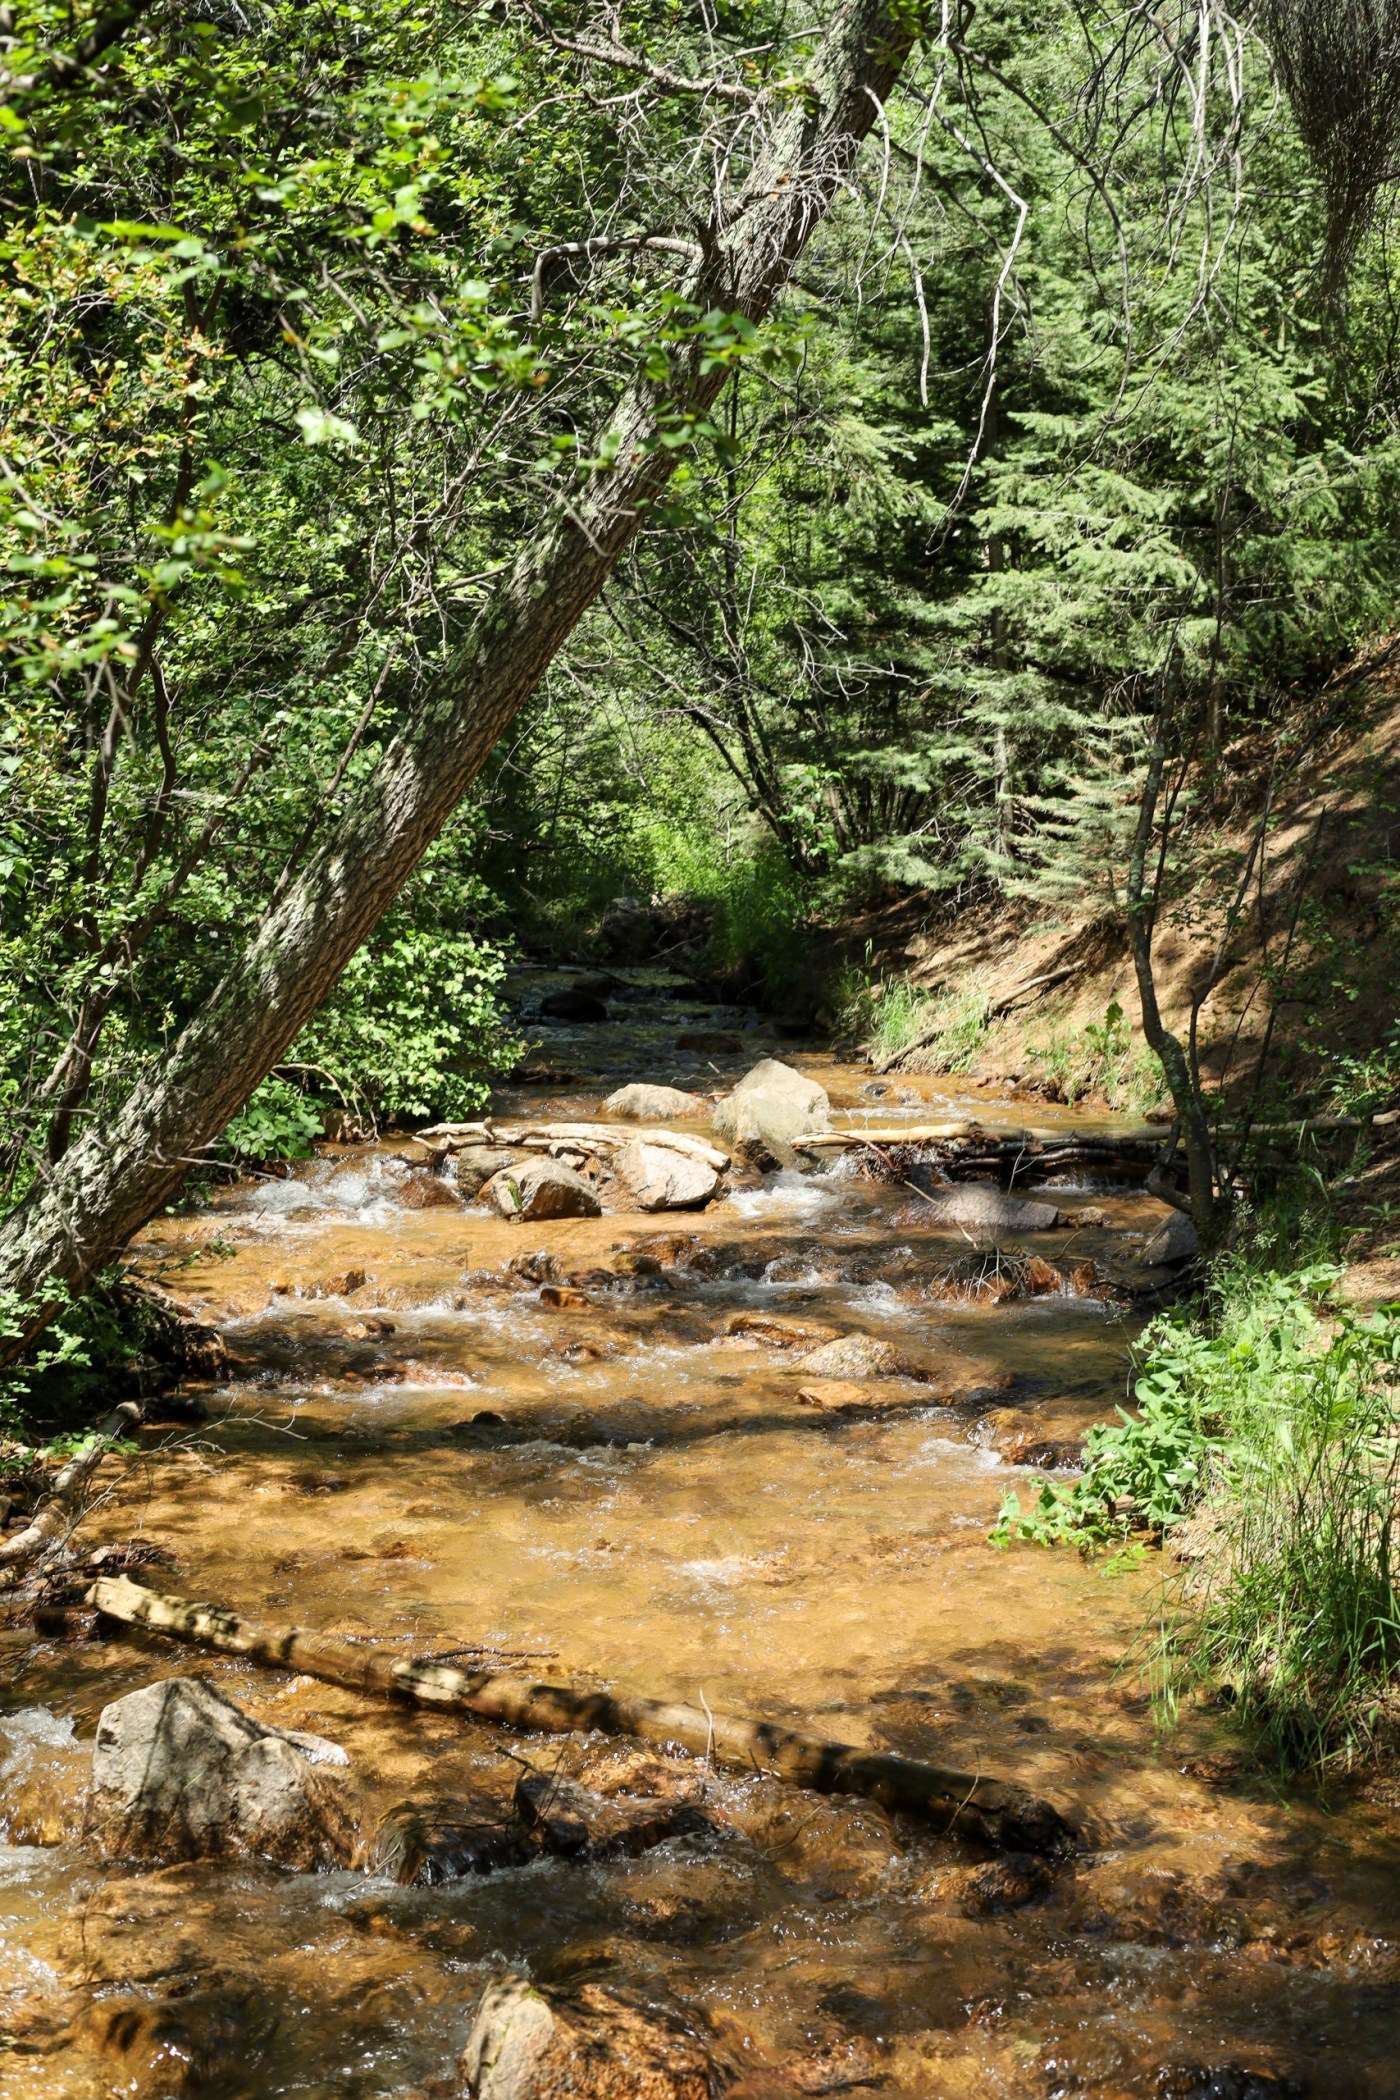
point(889, 1014)
point(1273, 1419)
point(1296, 1613)
point(1102, 1057)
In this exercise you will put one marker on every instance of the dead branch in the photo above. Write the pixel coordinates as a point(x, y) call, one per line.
point(604, 244)
point(61, 1510)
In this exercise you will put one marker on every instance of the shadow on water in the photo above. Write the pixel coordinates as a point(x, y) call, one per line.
point(619, 1491)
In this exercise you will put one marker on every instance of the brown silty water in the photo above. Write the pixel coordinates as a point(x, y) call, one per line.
point(439, 1442)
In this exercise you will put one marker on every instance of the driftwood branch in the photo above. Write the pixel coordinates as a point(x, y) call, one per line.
point(1054, 1137)
point(582, 1137)
point(992, 1811)
point(62, 1508)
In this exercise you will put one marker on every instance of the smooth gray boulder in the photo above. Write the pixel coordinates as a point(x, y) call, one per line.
point(179, 1772)
point(769, 1107)
point(643, 1103)
point(1174, 1241)
point(589, 2044)
point(655, 1178)
point(542, 1188)
point(980, 1206)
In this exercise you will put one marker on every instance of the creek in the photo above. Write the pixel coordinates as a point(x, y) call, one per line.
point(435, 1441)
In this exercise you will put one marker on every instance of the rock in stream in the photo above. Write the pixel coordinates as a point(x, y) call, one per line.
point(179, 1772)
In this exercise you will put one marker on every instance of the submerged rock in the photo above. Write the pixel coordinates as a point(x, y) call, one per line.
point(980, 1206)
point(158, 2048)
point(1028, 1440)
point(43, 1778)
point(574, 1004)
point(542, 1188)
point(421, 1843)
point(834, 1394)
point(533, 2044)
point(1174, 1241)
point(642, 1103)
point(179, 1772)
point(997, 1885)
point(777, 1332)
point(769, 1107)
point(573, 1820)
point(656, 1178)
point(710, 1042)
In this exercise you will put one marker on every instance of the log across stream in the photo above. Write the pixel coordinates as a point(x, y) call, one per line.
point(968, 1803)
point(565, 1458)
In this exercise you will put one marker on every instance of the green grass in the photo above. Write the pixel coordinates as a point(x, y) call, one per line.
point(1103, 1058)
point(1274, 1415)
point(890, 1013)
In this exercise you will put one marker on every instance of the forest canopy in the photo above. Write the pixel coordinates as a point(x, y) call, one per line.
point(315, 317)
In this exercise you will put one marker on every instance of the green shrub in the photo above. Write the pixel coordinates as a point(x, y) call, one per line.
point(1141, 1472)
point(414, 1028)
point(278, 1122)
point(1276, 1413)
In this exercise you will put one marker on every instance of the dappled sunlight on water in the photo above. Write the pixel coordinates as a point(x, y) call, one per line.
point(422, 1445)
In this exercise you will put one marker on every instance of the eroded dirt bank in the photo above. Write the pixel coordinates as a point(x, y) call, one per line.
point(588, 1447)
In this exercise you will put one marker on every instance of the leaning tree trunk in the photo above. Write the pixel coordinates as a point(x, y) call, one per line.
point(126, 1168)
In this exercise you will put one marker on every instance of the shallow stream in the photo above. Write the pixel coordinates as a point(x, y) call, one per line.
point(435, 1443)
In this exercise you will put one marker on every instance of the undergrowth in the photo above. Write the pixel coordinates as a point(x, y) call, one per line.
point(889, 1014)
point(1271, 1417)
point(1102, 1058)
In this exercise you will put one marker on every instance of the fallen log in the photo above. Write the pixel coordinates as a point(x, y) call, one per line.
point(993, 1812)
point(886, 1134)
point(609, 1137)
point(953, 1133)
point(61, 1508)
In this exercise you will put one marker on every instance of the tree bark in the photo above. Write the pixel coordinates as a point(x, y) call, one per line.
point(123, 1171)
point(1205, 1203)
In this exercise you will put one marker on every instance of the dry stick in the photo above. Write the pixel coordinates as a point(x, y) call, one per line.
point(61, 1508)
point(992, 1811)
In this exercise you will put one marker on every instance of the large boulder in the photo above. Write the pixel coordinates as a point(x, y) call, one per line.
point(854, 1356)
point(574, 1004)
point(1174, 1241)
point(179, 1772)
point(478, 1164)
point(980, 1206)
point(769, 1107)
point(542, 1188)
point(642, 1103)
point(657, 1178)
point(533, 2044)
point(423, 1190)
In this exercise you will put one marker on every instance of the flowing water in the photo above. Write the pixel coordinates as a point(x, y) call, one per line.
point(437, 1441)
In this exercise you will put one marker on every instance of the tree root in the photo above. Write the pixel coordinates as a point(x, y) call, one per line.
point(990, 1811)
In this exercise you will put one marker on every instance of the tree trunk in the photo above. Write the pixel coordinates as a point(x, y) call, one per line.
point(1206, 1203)
point(86, 1207)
